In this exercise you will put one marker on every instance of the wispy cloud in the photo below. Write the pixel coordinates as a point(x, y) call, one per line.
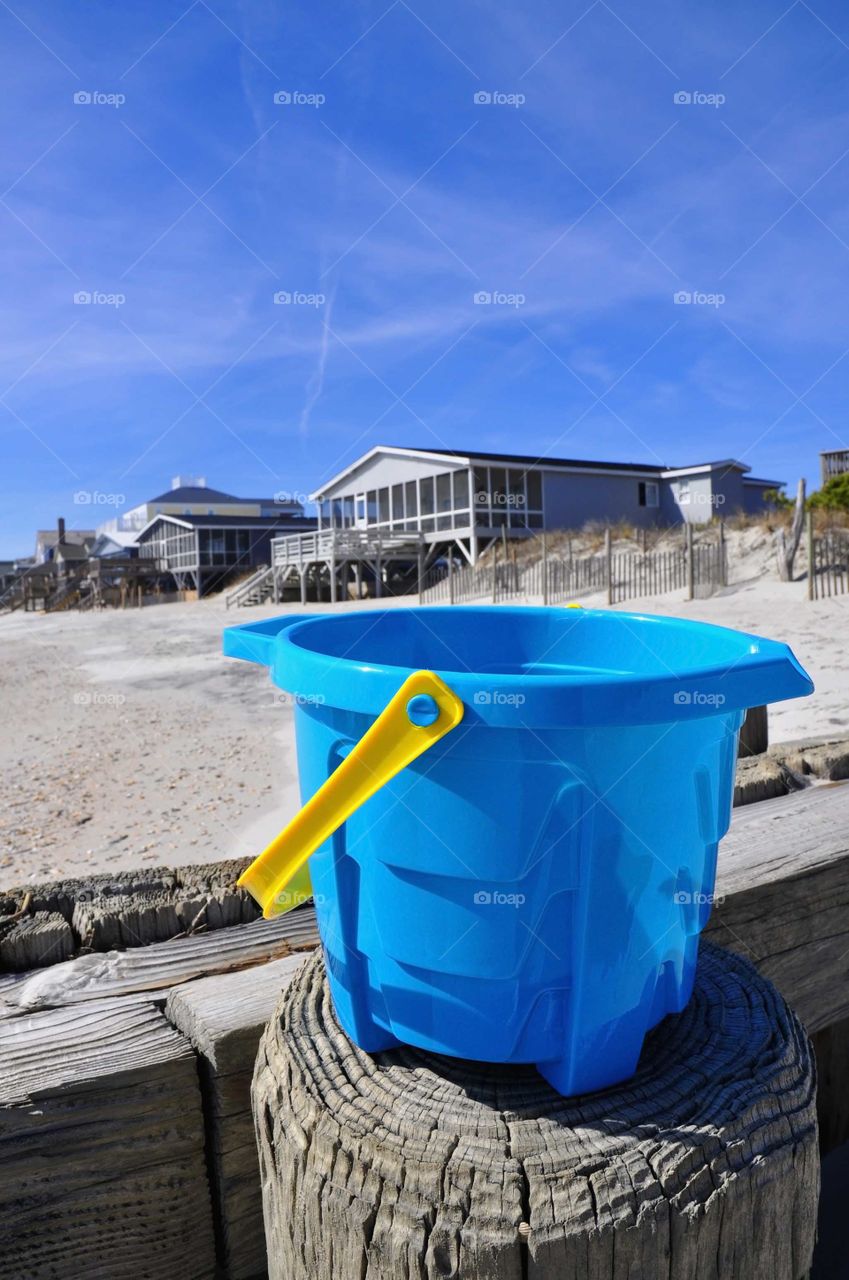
point(500, 197)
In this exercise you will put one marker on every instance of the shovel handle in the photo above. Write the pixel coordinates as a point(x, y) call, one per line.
point(422, 711)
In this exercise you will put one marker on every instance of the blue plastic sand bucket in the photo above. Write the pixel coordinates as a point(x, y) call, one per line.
point(532, 887)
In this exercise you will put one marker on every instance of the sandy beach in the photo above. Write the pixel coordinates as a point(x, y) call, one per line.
point(128, 737)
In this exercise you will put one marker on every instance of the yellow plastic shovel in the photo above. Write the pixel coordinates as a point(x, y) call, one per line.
point(422, 711)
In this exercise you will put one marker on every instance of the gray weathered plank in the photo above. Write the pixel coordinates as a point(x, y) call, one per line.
point(783, 898)
point(161, 965)
point(101, 1142)
point(223, 1017)
point(401, 1164)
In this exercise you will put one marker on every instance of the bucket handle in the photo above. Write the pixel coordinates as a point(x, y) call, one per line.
point(422, 711)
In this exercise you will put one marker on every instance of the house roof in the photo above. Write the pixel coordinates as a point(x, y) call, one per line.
point(118, 537)
point(528, 458)
point(469, 457)
point(232, 522)
point(73, 551)
point(196, 493)
point(274, 502)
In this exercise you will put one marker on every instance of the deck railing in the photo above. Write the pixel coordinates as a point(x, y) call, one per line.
point(300, 549)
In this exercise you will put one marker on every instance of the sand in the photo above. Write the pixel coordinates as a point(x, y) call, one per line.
point(128, 738)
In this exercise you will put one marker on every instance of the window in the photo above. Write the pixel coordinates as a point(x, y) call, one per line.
point(383, 506)
point(361, 508)
point(371, 504)
point(516, 490)
point(481, 487)
point(648, 493)
point(412, 499)
point(398, 505)
point(534, 483)
point(461, 490)
point(427, 497)
point(443, 492)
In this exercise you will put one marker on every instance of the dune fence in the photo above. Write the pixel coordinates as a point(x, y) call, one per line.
point(828, 562)
point(699, 567)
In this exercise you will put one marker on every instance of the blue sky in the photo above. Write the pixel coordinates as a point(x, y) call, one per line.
point(382, 197)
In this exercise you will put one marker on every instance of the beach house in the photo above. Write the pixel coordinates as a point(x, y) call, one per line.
point(469, 498)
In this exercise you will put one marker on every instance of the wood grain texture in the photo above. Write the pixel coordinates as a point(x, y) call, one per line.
point(101, 1143)
point(786, 766)
point(134, 908)
point(783, 898)
point(159, 966)
point(223, 1018)
point(34, 941)
point(406, 1166)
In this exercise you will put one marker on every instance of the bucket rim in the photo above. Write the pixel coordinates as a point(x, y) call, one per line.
point(762, 671)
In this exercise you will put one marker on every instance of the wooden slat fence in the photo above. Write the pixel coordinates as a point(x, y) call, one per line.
point(625, 575)
point(829, 570)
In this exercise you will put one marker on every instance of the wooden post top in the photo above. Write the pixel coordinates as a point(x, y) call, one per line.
point(405, 1164)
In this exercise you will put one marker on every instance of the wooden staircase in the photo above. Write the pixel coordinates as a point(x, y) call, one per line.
point(256, 589)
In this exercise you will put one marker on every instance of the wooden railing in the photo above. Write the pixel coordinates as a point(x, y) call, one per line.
point(301, 549)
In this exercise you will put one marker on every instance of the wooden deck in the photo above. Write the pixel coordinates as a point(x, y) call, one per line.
point(96, 1029)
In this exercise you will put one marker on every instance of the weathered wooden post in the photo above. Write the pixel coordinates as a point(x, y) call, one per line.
point(450, 579)
point(754, 733)
point(608, 566)
point(544, 570)
point(723, 556)
point(407, 1164)
point(420, 570)
point(691, 565)
point(494, 571)
point(811, 565)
